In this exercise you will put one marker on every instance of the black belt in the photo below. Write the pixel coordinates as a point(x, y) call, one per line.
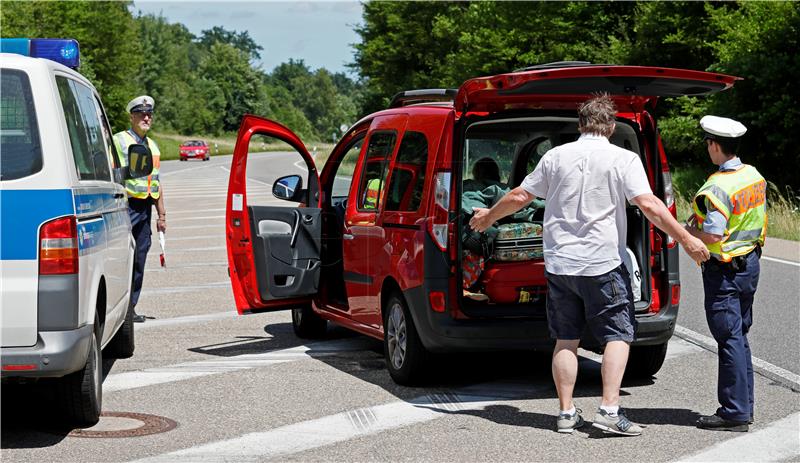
point(736, 264)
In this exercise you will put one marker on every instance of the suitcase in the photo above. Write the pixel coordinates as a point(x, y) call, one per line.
point(517, 242)
point(514, 282)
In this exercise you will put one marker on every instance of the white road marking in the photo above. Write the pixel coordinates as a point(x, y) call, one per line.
point(192, 211)
point(332, 429)
point(190, 370)
point(186, 288)
point(192, 237)
point(773, 372)
point(195, 227)
point(782, 261)
point(778, 442)
point(187, 319)
point(156, 268)
point(208, 248)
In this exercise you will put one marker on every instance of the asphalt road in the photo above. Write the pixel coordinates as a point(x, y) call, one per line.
point(244, 388)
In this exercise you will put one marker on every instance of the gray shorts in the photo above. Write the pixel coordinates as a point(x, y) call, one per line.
point(603, 302)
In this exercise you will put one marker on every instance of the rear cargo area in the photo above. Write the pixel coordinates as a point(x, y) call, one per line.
point(502, 270)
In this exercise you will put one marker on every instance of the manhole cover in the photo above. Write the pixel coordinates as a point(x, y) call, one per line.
point(126, 424)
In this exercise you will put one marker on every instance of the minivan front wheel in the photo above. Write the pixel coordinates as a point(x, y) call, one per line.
point(406, 357)
point(307, 324)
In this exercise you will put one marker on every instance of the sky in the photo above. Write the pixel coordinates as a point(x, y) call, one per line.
point(320, 33)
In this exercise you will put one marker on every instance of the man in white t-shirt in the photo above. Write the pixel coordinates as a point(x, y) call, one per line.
point(586, 184)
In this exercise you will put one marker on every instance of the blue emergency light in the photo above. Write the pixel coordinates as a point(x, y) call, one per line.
point(64, 51)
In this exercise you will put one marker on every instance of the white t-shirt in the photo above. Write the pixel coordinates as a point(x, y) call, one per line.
point(585, 184)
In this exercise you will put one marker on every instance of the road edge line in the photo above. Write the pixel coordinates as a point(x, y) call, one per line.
point(762, 367)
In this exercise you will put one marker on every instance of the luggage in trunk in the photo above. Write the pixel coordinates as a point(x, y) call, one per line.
point(514, 282)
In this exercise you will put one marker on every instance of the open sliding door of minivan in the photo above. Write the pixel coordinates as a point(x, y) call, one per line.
point(273, 225)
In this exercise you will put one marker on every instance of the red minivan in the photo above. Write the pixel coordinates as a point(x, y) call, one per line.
point(392, 268)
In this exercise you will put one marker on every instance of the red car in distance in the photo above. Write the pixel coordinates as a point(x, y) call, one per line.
point(195, 149)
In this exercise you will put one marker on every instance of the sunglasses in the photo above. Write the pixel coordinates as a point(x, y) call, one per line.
point(145, 114)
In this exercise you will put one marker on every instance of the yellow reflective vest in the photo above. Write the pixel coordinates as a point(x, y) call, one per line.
point(373, 194)
point(145, 186)
point(741, 196)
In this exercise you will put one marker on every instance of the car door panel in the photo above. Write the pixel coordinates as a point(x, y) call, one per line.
point(270, 269)
point(286, 241)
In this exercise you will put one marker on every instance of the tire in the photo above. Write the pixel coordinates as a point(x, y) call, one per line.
point(307, 324)
point(645, 361)
point(123, 343)
point(80, 394)
point(406, 358)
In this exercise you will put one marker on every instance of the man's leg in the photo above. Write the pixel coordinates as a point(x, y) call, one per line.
point(565, 370)
point(615, 358)
point(140, 212)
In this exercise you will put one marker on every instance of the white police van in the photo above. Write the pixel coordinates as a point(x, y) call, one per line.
point(66, 250)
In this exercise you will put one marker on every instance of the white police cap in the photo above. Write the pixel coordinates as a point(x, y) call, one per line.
point(142, 103)
point(722, 127)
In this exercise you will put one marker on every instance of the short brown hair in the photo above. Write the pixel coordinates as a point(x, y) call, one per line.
point(597, 115)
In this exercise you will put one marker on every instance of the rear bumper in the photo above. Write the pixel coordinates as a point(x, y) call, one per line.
point(56, 353)
point(440, 332)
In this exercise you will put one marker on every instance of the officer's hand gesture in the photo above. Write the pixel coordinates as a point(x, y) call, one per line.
point(696, 249)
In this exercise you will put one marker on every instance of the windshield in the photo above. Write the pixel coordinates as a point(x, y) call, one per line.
point(20, 149)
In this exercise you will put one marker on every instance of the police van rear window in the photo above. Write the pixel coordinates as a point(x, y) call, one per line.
point(20, 148)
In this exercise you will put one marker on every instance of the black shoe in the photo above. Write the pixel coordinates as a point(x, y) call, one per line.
point(139, 318)
point(718, 423)
point(750, 421)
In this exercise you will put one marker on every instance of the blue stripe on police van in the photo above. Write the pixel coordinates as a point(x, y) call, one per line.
point(21, 213)
point(91, 234)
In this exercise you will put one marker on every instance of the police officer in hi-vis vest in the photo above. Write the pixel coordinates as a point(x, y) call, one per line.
point(143, 192)
point(730, 218)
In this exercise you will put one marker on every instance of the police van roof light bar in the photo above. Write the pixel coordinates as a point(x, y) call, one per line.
point(64, 51)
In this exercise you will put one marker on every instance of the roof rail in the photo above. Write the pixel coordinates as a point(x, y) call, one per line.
point(423, 96)
point(557, 64)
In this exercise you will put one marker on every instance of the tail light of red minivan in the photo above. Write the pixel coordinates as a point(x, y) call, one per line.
point(439, 225)
point(58, 247)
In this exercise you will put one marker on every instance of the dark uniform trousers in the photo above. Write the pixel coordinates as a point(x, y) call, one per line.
point(729, 290)
point(140, 211)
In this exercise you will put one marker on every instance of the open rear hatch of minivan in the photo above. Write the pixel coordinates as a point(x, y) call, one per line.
point(514, 119)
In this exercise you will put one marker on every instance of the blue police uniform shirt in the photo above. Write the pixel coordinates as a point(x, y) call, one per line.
point(715, 222)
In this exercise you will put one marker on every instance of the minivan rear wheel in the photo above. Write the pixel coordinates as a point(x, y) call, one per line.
point(307, 324)
point(80, 393)
point(645, 361)
point(406, 357)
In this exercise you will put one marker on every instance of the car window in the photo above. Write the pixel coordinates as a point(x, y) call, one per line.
point(20, 148)
point(343, 177)
point(408, 178)
point(85, 130)
point(379, 149)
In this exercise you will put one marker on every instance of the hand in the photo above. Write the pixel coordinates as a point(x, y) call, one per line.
point(480, 221)
point(161, 224)
point(696, 249)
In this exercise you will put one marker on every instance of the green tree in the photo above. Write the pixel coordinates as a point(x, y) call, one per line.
point(110, 51)
point(758, 42)
point(239, 40)
point(228, 68)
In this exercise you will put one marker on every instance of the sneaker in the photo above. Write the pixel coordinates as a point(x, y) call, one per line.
point(616, 423)
point(717, 423)
point(567, 423)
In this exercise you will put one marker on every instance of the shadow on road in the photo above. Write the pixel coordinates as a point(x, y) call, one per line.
point(30, 415)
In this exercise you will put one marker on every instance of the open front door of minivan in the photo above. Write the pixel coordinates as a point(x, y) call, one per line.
point(273, 251)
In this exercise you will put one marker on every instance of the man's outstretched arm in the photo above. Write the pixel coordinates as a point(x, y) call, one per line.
point(510, 203)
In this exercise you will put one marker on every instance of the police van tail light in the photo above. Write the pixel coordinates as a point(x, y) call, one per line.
point(58, 247)
point(439, 226)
